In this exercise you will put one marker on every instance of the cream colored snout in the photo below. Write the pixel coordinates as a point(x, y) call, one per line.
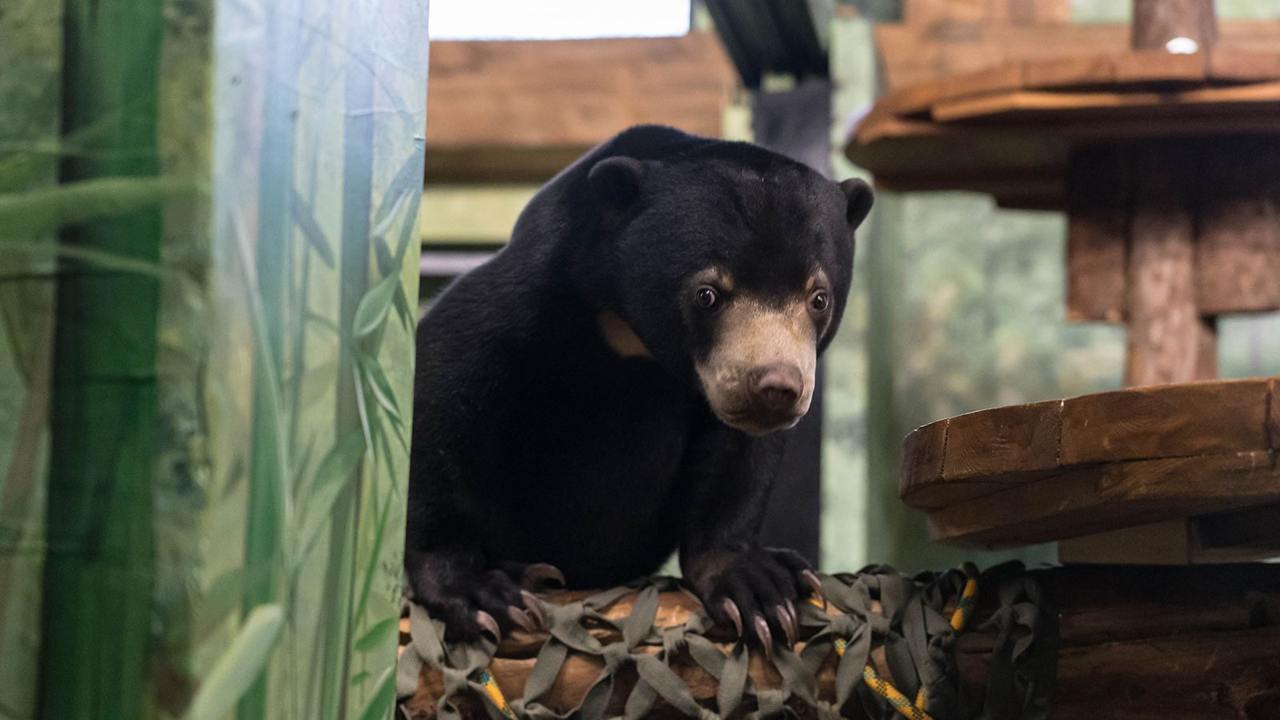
point(758, 377)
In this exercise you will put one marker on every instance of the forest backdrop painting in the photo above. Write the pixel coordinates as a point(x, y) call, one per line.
point(207, 300)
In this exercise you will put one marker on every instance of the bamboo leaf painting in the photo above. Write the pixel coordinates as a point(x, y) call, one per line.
point(236, 669)
point(373, 307)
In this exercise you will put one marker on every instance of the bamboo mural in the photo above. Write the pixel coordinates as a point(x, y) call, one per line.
point(208, 267)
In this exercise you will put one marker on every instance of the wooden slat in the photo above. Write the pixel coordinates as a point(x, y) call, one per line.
point(1152, 680)
point(1073, 71)
point(1012, 12)
point(1085, 500)
point(1042, 106)
point(500, 103)
point(1168, 542)
point(1165, 422)
point(913, 53)
point(1234, 536)
point(989, 443)
point(1017, 443)
point(1231, 64)
point(1158, 66)
point(925, 448)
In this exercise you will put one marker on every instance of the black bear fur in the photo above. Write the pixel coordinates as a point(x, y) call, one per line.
point(535, 441)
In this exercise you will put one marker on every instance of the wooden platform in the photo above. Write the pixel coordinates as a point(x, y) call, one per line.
point(1009, 130)
point(1046, 471)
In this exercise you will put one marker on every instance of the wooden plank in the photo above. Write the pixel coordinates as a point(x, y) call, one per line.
point(1074, 71)
point(1097, 234)
point(501, 99)
point(1235, 677)
point(1099, 604)
point(917, 53)
point(1238, 242)
point(1231, 64)
point(1167, 334)
point(1167, 542)
point(1165, 422)
point(1158, 66)
point(1085, 500)
point(922, 453)
point(1235, 536)
point(1022, 438)
point(1042, 106)
point(1013, 12)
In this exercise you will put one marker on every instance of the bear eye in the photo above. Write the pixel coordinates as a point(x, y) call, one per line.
point(706, 297)
point(819, 301)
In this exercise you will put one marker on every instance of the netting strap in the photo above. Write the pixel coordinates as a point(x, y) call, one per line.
point(911, 627)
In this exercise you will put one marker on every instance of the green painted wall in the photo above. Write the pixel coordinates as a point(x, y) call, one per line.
point(206, 301)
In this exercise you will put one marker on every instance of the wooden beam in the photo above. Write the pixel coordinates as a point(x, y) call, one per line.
point(912, 53)
point(522, 110)
point(1010, 12)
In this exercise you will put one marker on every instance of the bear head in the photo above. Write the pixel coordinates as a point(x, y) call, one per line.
point(729, 265)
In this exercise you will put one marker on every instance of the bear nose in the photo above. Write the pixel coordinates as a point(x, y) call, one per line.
point(777, 386)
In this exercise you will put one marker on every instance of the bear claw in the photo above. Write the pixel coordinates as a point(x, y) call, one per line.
point(486, 621)
point(788, 624)
point(811, 579)
point(521, 619)
point(766, 637)
point(539, 574)
point(735, 615)
point(534, 609)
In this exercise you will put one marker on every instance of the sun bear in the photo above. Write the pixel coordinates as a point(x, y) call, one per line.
point(617, 382)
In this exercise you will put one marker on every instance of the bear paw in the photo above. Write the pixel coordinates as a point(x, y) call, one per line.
point(492, 601)
point(754, 591)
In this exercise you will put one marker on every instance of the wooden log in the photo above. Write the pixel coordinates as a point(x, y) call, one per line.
point(1156, 22)
point(1171, 643)
point(1169, 340)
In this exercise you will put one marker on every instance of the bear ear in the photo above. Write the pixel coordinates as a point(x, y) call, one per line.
point(616, 180)
point(859, 197)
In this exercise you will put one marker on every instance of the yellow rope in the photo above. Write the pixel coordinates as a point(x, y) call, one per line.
point(494, 693)
point(885, 689)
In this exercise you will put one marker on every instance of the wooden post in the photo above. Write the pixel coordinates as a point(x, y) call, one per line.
point(1156, 22)
point(1169, 341)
